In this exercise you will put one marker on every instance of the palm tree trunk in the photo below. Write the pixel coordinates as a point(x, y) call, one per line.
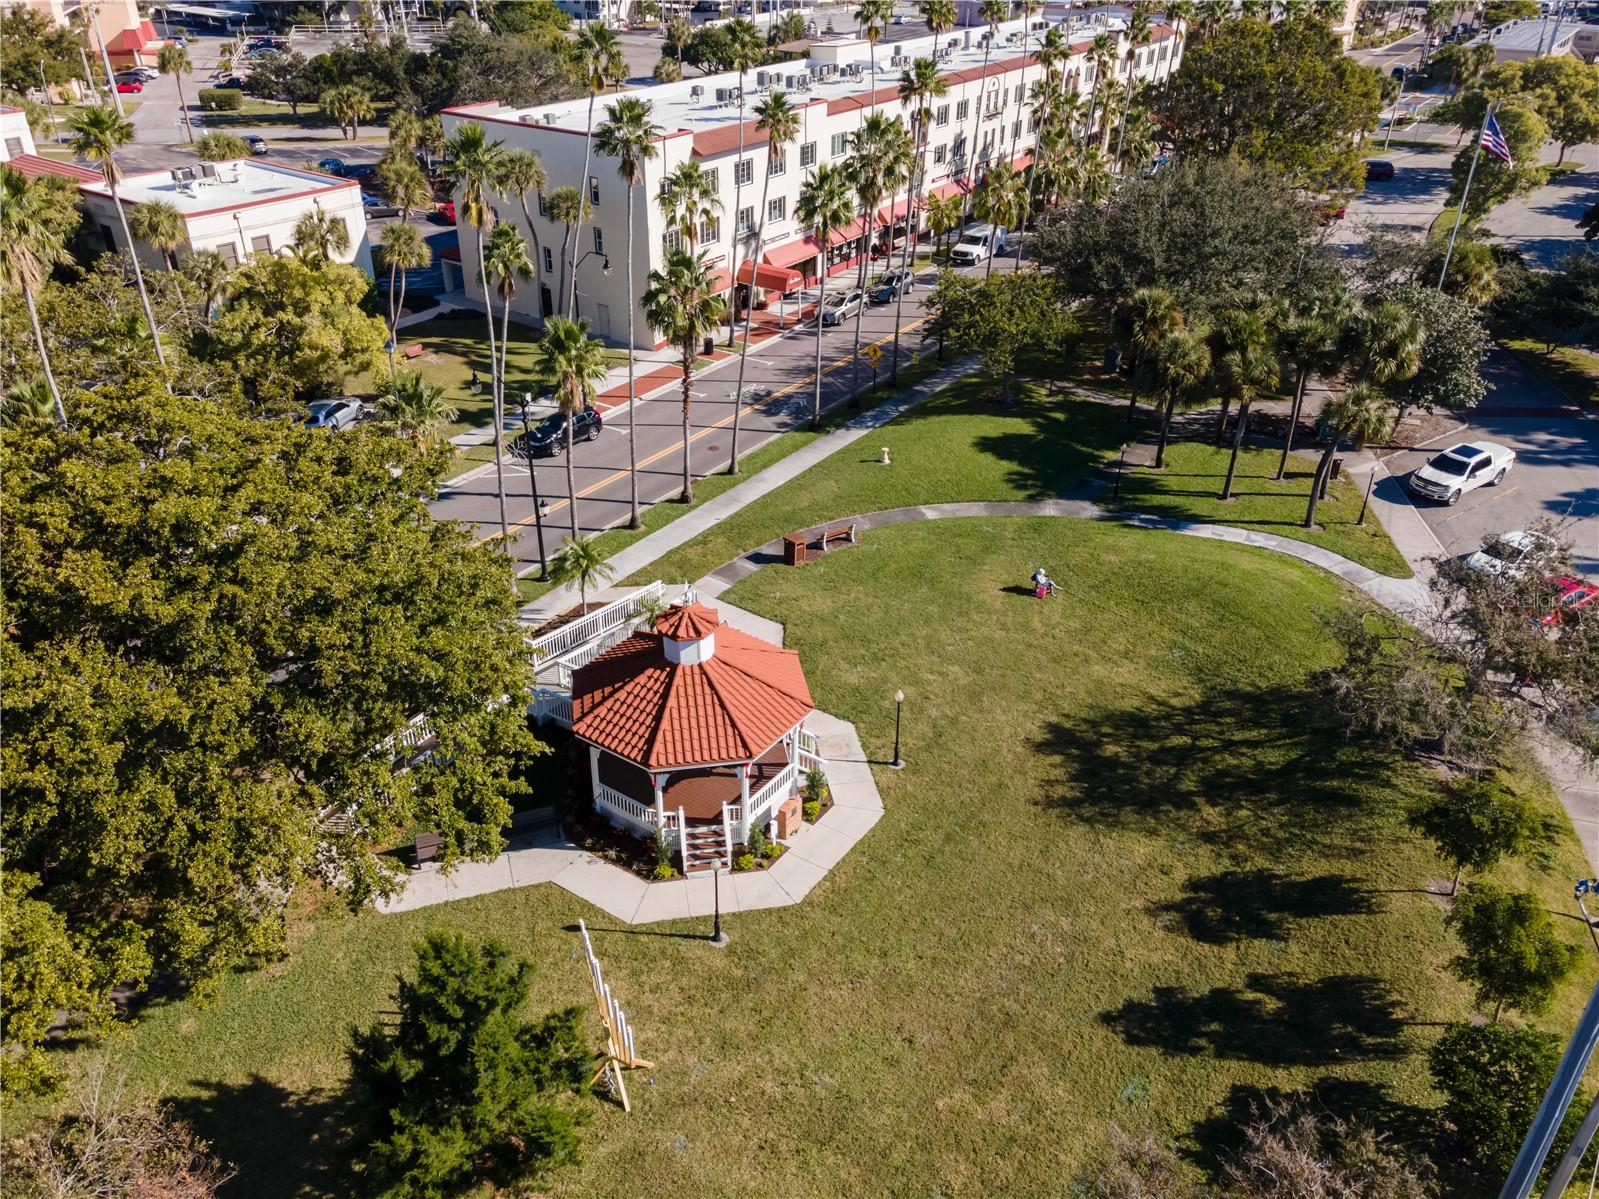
point(733, 242)
point(571, 478)
point(633, 522)
point(977, 128)
point(749, 309)
point(399, 307)
point(1293, 423)
point(1132, 389)
point(394, 322)
point(583, 199)
point(494, 394)
point(1165, 432)
point(821, 307)
point(912, 191)
point(1323, 468)
point(133, 255)
point(44, 358)
point(538, 251)
point(1221, 423)
point(866, 258)
point(184, 106)
point(1238, 441)
point(566, 240)
point(688, 399)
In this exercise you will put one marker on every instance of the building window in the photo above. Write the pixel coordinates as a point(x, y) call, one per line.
point(544, 209)
point(777, 164)
point(743, 173)
point(963, 110)
point(941, 117)
point(594, 189)
point(549, 261)
point(599, 240)
point(939, 153)
point(808, 154)
point(1015, 130)
point(229, 252)
point(1018, 93)
point(713, 179)
point(710, 229)
point(1165, 51)
point(13, 146)
point(777, 210)
point(840, 144)
point(746, 219)
point(958, 150)
point(261, 245)
point(671, 240)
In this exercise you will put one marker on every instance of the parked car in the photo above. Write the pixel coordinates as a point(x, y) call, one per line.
point(376, 207)
point(333, 166)
point(548, 437)
point(130, 88)
point(888, 287)
point(1569, 596)
point(1328, 211)
point(333, 414)
point(257, 143)
point(446, 210)
point(1466, 467)
point(977, 243)
point(147, 73)
point(842, 305)
point(1379, 170)
point(361, 172)
point(1509, 554)
point(231, 81)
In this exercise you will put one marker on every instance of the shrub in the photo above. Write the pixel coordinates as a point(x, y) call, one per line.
point(221, 99)
point(1493, 1079)
point(813, 811)
point(774, 850)
point(756, 841)
point(816, 789)
point(1511, 953)
point(665, 849)
point(663, 871)
point(744, 861)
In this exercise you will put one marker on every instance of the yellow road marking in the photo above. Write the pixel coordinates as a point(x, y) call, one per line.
point(677, 445)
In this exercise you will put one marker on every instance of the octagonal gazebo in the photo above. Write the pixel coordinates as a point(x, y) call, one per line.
point(695, 727)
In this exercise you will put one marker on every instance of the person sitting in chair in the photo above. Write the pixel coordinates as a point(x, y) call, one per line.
point(1042, 583)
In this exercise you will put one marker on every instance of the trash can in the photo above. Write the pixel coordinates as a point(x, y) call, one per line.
point(794, 549)
point(710, 346)
point(1337, 471)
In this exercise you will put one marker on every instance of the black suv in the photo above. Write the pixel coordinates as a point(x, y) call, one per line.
point(548, 437)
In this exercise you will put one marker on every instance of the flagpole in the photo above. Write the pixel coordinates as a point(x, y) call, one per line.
point(1465, 195)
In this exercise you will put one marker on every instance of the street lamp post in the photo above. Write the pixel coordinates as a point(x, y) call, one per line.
point(718, 937)
point(533, 483)
point(605, 269)
point(899, 704)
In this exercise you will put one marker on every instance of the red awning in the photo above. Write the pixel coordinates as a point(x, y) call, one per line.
point(1022, 163)
point(720, 280)
point(789, 253)
point(954, 187)
point(772, 278)
point(849, 232)
point(900, 210)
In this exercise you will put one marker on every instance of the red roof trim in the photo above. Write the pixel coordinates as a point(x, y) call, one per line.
point(34, 165)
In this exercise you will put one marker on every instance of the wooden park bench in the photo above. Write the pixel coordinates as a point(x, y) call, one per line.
point(427, 848)
point(838, 536)
point(414, 351)
point(800, 548)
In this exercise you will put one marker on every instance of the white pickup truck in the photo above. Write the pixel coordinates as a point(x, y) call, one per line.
point(1449, 475)
point(977, 243)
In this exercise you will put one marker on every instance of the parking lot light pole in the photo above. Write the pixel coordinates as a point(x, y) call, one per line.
point(533, 483)
point(899, 703)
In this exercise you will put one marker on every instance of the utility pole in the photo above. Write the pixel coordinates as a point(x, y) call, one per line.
point(44, 86)
point(88, 75)
point(105, 60)
point(1465, 195)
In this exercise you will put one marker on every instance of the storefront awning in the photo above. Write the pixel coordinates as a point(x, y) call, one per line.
point(771, 278)
point(801, 250)
point(897, 211)
point(954, 187)
point(1022, 163)
point(849, 232)
point(721, 280)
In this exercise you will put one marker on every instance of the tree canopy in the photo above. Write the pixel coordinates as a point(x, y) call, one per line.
point(1453, 347)
point(999, 317)
point(29, 39)
point(1282, 94)
point(1510, 953)
point(213, 625)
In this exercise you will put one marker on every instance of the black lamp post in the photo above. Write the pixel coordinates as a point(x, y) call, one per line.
point(605, 269)
point(899, 703)
point(1121, 469)
point(533, 482)
point(718, 937)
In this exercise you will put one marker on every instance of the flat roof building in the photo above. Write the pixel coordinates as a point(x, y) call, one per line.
point(1520, 40)
point(982, 120)
point(237, 208)
point(16, 139)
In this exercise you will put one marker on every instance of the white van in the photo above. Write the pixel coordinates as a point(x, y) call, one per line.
point(977, 243)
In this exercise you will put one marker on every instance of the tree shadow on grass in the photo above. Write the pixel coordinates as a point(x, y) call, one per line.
point(1252, 771)
point(1273, 1020)
point(282, 1143)
point(1240, 905)
point(1057, 443)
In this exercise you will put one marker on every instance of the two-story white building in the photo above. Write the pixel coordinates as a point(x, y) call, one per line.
point(237, 208)
point(16, 139)
point(982, 120)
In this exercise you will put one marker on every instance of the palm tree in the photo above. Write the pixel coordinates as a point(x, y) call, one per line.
point(629, 135)
point(1087, 177)
point(162, 225)
point(415, 408)
point(872, 17)
point(217, 146)
point(431, 139)
point(349, 104)
point(1246, 370)
point(775, 117)
point(505, 261)
point(96, 134)
point(1180, 367)
point(522, 172)
point(404, 249)
point(575, 363)
point(1027, 7)
point(880, 165)
point(940, 15)
point(1101, 53)
point(475, 163)
point(211, 275)
point(1148, 317)
point(603, 66)
point(568, 206)
point(29, 247)
point(29, 402)
point(581, 561)
point(1000, 199)
point(404, 185)
point(1361, 412)
point(992, 13)
point(1312, 342)
point(318, 236)
point(825, 204)
point(678, 34)
point(405, 132)
point(1138, 36)
point(919, 86)
point(943, 216)
point(687, 199)
point(746, 51)
point(681, 302)
point(174, 61)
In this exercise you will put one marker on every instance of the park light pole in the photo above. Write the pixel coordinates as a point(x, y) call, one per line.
point(899, 703)
point(533, 482)
point(718, 937)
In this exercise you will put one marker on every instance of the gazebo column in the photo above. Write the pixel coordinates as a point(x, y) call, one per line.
point(744, 799)
point(656, 781)
point(594, 774)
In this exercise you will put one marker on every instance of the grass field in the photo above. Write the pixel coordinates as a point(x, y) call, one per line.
point(1573, 371)
point(1189, 486)
point(1122, 877)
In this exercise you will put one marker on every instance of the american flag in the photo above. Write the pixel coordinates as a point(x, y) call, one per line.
point(1494, 142)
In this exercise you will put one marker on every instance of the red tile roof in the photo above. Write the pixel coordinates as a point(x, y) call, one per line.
point(135, 39)
point(732, 707)
point(33, 165)
point(710, 142)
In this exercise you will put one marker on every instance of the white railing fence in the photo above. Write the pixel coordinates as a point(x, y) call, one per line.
point(682, 840)
point(575, 633)
point(628, 809)
point(551, 706)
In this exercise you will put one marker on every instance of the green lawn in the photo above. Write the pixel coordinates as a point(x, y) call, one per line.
point(956, 446)
point(1134, 883)
point(1189, 486)
point(266, 114)
point(1572, 371)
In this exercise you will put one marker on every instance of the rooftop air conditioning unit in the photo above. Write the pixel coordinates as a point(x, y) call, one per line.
point(528, 118)
point(208, 170)
point(722, 95)
point(695, 92)
point(760, 78)
point(791, 81)
point(549, 118)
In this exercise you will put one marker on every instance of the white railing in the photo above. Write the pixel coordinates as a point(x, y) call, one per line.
point(778, 788)
point(583, 655)
point(629, 809)
point(585, 628)
point(550, 705)
point(730, 817)
point(682, 840)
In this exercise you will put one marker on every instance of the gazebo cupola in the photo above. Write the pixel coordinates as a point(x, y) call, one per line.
point(688, 634)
